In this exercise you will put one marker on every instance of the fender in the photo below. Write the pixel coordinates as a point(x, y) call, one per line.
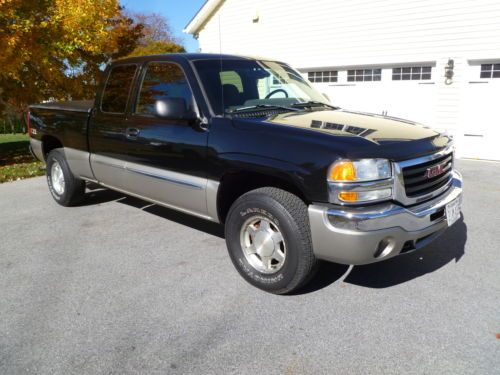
point(295, 175)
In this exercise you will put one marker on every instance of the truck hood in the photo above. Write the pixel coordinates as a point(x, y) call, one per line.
point(374, 128)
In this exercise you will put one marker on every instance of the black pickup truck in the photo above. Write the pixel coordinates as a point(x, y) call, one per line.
point(250, 144)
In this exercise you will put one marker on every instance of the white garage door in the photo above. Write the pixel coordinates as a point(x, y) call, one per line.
point(408, 92)
point(481, 112)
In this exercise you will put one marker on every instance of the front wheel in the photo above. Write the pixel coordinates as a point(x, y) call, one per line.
point(66, 189)
point(269, 240)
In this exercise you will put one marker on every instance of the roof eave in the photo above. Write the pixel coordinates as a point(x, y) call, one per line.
point(201, 16)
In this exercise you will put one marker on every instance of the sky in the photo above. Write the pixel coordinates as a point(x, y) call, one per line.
point(177, 12)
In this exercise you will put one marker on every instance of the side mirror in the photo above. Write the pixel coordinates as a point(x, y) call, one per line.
point(173, 109)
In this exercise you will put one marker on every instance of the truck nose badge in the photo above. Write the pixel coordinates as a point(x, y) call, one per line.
point(434, 171)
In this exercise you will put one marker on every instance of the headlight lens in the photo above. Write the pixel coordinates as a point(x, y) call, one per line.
point(358, 181)
point(360, 170)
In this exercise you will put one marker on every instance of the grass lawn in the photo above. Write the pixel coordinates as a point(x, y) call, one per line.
point(9, 138)
point(16, 161)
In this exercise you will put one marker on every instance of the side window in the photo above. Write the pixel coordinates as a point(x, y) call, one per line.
point(117, 89)
point(162, 80)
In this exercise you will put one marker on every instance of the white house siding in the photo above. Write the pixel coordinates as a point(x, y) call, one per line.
point(339, 35)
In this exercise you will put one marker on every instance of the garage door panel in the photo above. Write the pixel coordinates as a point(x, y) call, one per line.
point(410, 100)
point(481, 117)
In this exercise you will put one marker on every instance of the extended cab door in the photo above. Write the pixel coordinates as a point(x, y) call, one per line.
point(107, 135)
point(162, 160)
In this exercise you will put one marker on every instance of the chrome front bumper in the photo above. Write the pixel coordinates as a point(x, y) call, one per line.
point(362, 235)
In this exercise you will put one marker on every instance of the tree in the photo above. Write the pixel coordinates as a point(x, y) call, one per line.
point(55, 49)
point(155, 27)
point(157, 36)
point(157, 48)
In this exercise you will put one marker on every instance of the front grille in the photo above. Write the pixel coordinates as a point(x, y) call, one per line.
point(416, 181)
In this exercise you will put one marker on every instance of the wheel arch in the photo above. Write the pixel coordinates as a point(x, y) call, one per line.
point(49, 143)
point(236, 183)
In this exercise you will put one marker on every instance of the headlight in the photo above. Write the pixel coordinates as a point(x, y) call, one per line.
point(360, 170)
point(359, 181)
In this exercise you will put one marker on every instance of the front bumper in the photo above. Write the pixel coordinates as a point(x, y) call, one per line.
point(362, 235)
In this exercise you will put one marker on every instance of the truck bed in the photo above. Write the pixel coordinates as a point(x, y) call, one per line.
point(73, 106)
point(65, 123)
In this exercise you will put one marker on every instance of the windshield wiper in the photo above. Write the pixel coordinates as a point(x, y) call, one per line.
point(262, 107)
point(313, 103)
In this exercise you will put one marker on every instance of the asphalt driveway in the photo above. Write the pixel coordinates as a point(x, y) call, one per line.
point(119, 286)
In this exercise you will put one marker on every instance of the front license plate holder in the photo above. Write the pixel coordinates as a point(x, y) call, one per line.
point(453, 211)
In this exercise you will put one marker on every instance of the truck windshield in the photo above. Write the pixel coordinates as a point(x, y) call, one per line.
point(233, 85)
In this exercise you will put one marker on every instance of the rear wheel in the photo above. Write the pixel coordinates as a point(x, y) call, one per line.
point(269, 240)
point(66, 189)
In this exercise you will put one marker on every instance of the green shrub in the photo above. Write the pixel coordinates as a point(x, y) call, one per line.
point(12, 125)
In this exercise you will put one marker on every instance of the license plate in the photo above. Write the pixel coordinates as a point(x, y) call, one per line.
point(453, 211)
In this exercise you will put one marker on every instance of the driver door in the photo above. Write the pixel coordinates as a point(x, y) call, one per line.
point(166, 158)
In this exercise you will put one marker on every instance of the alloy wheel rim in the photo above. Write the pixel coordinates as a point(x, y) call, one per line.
point(57, 178)
point(263, 245)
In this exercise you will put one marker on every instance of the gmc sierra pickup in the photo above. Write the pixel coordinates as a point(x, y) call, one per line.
point(250, 144)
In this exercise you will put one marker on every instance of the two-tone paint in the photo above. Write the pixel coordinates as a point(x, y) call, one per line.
point(180, 164)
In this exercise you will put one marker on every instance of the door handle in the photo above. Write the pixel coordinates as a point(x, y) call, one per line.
point(132, 133)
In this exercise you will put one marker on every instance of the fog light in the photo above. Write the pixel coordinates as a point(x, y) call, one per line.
point(384, 247)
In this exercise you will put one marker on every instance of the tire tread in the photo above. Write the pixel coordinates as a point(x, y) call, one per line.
point(298, 213)
point(75, 187)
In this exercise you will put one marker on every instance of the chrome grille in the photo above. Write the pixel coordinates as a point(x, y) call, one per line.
point(418, 183)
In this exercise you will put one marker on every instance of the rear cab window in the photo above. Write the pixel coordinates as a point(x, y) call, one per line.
point(230, 77)
point(117, 89)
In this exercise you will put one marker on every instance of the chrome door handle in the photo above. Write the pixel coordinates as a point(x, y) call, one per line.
point(132, 133)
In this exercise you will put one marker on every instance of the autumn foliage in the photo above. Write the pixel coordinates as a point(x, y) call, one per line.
point(157, 36)
point(56, 49)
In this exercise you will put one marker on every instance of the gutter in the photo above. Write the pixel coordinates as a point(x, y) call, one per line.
point(202, 16)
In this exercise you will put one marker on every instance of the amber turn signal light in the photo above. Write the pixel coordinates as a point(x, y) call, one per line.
point(343, 171)
point(348, 196)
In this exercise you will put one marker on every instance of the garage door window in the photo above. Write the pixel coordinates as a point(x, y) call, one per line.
point(414, 73)
point(324, 76)
point(490, 70)
point(363, 75)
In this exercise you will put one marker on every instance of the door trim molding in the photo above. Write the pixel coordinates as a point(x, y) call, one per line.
point(207, 188)
point(164, 178)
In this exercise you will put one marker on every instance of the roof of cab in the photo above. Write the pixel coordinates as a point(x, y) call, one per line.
point(188, 57)
point(185, 56)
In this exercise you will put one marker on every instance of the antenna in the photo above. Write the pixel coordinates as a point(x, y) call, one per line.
point(220, 60)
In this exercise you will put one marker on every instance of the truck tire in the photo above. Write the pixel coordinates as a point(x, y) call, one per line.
point(66, 189)
point(269, 240)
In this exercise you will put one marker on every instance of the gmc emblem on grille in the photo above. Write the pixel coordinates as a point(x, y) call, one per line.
point(434, 171)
